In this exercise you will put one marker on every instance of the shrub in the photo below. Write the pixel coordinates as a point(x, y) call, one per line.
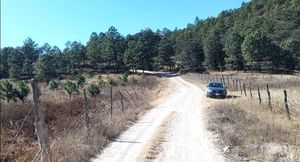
point(93, 89)
point(8, 91)
point(22, 91)
point(2, 97)
point(101, 82)
point(125, 77)
point(88, 74)
point(71, 88)
point(120, 81)
point(80, 80)
point(111, 81)
point(53, 85)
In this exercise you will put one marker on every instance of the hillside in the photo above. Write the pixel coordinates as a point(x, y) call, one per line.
point(266, 31)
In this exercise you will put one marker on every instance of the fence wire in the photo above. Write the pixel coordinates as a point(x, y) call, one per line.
point(17, 133)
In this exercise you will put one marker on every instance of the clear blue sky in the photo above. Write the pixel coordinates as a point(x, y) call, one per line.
point(57, 21)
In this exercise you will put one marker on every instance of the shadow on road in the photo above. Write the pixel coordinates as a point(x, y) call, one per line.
point(168, 75)
point(232, 96)
point(227, 97)
point(158, 73)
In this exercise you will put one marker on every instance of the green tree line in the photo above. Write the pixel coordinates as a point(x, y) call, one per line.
point(261, 35)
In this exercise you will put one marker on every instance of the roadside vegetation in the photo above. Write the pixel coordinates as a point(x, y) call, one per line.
point(63, 101)
point(249, 131)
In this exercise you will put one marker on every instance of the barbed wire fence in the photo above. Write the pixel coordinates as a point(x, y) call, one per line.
point(246, 86)
point(122, 99)
point(17, 133)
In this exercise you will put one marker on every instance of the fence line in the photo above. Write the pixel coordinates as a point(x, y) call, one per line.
point(86, 112)
point(239, 85)
point(250, 88)
point(269, 97)
point(122, 105)
point(44, 152)
point(111, 101)
point(259, 97)
point(286, 105)
point(43, 137)
point(244, 88)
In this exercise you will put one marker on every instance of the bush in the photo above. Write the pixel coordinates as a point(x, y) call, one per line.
point(123, 79)
point(88, 74)
point(111, 81)
point(80, 80)
point(8, 92)
point(22, 91)
point(71, 88)
point(101, 82)
point(53, 85)
point(2, 97)
point(93, 89)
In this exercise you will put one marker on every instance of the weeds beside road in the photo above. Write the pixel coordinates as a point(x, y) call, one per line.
point(66, 123)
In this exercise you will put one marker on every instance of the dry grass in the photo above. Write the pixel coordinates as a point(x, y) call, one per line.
point(66, 123)
point(247, 130)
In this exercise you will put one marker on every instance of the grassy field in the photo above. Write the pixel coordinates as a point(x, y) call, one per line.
point(247, 130)
point(69, 138)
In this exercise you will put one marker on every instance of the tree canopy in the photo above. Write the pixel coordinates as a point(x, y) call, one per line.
point(260, 35)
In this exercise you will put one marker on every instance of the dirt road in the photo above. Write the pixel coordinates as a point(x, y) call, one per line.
point(183, 139)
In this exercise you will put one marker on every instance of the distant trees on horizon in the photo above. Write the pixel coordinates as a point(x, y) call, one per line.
point(261, 35)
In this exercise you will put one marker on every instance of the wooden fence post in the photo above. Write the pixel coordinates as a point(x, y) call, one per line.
point(259, 98)
point(269, 97)
point(250, 88)
point(228, 84)
point(244, 88)
point(241, 88)
point(86, 112)
point(121, 101)
point(237, 85)
point(111, 102)
point(39, 124)
point(286, 105)
point(223, 79)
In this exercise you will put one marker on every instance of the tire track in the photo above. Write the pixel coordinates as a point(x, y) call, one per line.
point(155, 145)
